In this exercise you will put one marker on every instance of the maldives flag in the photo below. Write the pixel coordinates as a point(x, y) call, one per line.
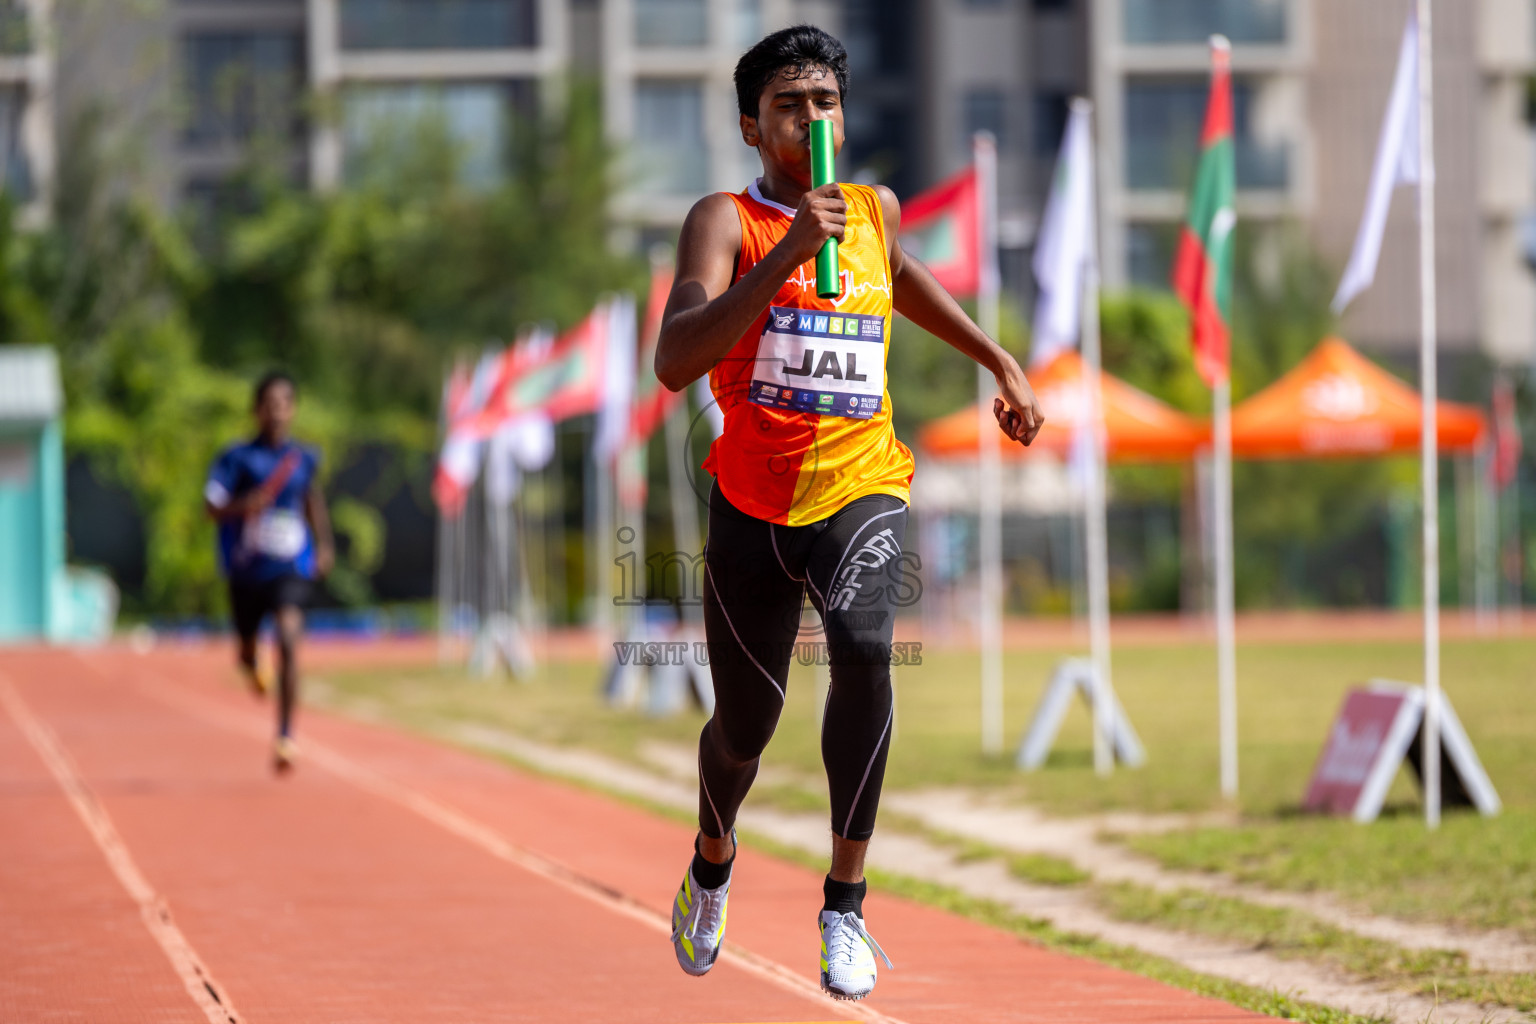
point(940, 227)
point(560, 379)
point(465, 396)
point(1202, 269)
point(653, 403)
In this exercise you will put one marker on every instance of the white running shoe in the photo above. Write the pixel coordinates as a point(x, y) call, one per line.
point(698, 924)
point(848, 956)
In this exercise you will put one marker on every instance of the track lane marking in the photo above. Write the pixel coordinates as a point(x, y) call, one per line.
point(153, 909)
point(489, 840)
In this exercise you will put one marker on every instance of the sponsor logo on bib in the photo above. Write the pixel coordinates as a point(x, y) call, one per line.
point(829, 365)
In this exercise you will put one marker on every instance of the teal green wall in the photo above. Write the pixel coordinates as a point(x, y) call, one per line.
point(31, 534)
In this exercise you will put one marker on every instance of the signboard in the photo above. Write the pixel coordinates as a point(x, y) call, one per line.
point(1076, 675)
point(1378, 728)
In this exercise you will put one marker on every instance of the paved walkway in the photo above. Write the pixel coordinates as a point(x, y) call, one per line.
point(152, 868)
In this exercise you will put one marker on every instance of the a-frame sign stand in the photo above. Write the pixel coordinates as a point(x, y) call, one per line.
point(1076, 675)
point(1379, 727)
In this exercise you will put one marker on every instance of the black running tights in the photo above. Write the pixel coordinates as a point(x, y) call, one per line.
point(756, 579)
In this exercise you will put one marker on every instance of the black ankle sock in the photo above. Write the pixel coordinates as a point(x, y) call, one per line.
point(843, 897)
point(707, 873)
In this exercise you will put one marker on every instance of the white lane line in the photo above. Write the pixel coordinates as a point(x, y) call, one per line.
point(154, 911)
point(492, 842)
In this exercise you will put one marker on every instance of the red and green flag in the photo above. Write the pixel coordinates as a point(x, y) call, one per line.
point(941, 227)
point(1202, 269)
point(653, 403)
point(558, 379)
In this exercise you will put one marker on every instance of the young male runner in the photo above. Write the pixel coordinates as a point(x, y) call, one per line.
point(274, 539)
point(811, 485)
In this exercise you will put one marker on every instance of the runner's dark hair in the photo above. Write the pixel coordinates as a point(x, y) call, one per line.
point(270, 378)
point(801, 50)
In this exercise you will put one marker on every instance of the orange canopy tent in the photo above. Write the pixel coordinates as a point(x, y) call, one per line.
point(1337, 403)
point(1139, 428)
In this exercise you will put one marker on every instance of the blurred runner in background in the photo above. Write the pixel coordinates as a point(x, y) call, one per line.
point(274, 541)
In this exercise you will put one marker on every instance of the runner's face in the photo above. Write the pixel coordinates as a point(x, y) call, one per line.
point(275, 410)
point(781, 131)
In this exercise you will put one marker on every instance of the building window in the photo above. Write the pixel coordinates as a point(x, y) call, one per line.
point(669, 150)
point(882, 38)
point(1163, 120)
point(15, 28)
point(749, 22)
point(1149, 253)
point(1048, 122)
point(438, 24)
point(1154, 22)
point(14, 165)
point(384, 125)
point(671, 23)
point(986, 111)
point(241, 85)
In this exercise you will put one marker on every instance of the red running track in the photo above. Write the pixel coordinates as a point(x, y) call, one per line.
point(153, 869)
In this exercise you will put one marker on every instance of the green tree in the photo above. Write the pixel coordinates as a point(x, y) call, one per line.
point(364, 294)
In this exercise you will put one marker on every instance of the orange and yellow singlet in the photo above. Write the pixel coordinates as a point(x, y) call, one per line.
point(807, 413)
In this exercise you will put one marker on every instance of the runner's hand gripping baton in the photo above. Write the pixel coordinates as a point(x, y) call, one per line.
point(829, 281)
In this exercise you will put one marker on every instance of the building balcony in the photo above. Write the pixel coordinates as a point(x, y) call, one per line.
point(374, 25)
point(1180, 22)
point(1156, 166)
point(671, 23)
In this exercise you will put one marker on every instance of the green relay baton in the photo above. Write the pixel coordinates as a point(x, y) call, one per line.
point(829, 281)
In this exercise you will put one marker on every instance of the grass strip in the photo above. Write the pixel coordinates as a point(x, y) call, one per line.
point(1044, 869)
point(1296, 935)
point(1474, 872)
point(1039, 868)
point(1273, 1002)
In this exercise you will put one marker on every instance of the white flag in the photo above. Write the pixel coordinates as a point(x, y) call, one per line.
point(619, 357)
point(523, 445)
point(1397, 163)
point(1066, 245)
point(711, 408)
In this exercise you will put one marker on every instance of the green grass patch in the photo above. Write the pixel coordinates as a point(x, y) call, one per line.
point(1044, 869)
point(347, 695)
point(1292, 934)
point(1475, 872)
point(1271, 1002)
point(1472, 871)
point(789, 797)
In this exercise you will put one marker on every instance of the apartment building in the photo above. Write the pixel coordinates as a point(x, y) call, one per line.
point(199, 85)
point(1310, 85)
point(26, 106)
point(477, 64)
point(1485, 174)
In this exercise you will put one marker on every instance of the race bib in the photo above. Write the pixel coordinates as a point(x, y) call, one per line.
point(278, 534)
point(822, 362)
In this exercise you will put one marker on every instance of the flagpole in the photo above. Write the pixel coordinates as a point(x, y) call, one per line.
point(1220, 236)
point(1226, 625)
point(444, 552)
point(1429, 433)
point(1097, 531)
point(989, 456)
